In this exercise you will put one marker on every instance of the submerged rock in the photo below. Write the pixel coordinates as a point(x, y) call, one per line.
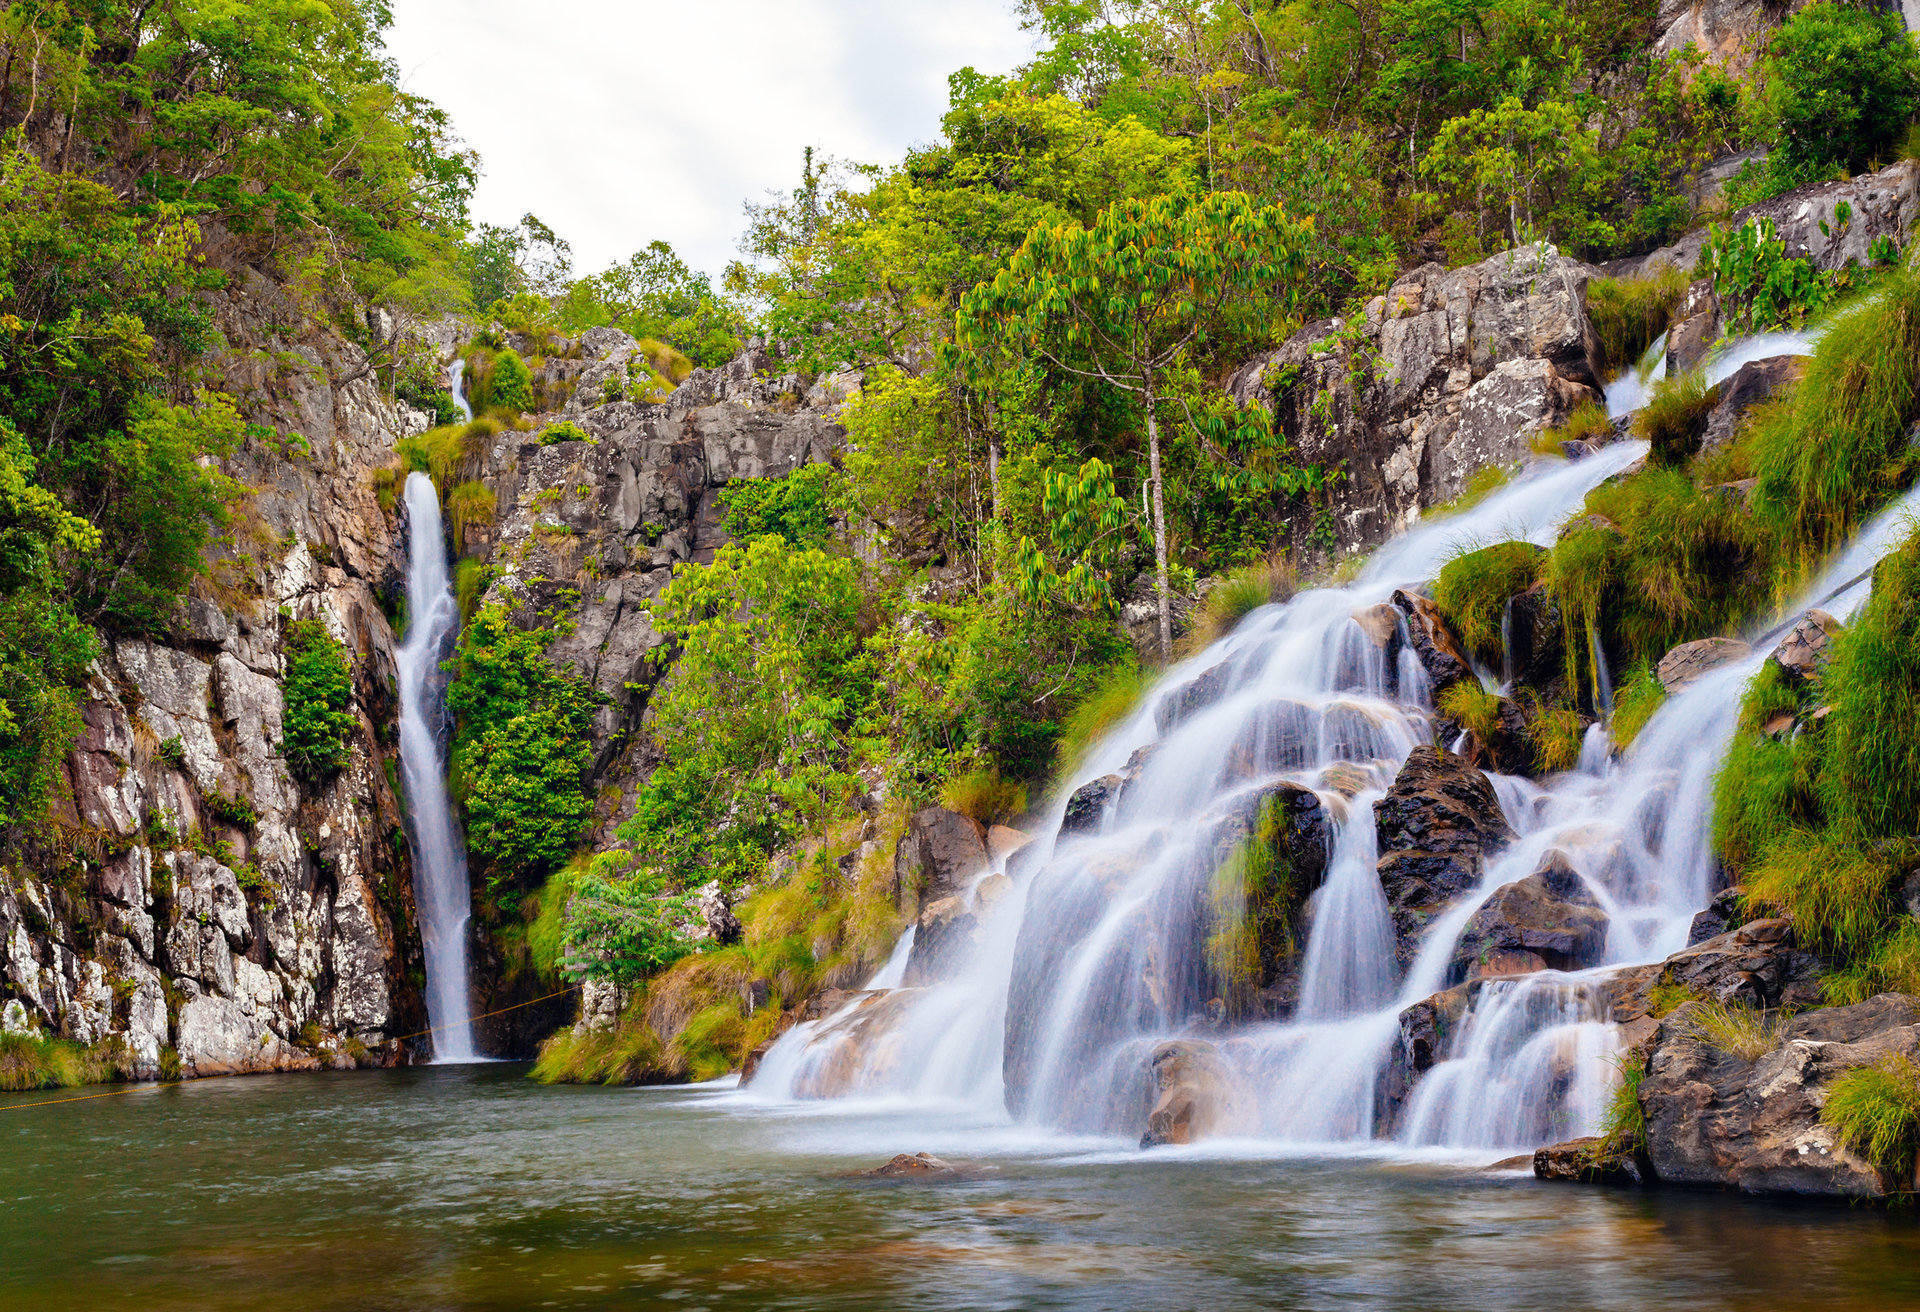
point(1592, 1160)
point(914, 1166)
point(1199, 1094)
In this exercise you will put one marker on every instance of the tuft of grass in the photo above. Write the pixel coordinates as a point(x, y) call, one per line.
point(33, 1061)
point(1557, 732)
point(1744, 1032)
point(629, 1053)
point(1474, 587)
point(449, 455)
point(1472, 707)
point(1237, 596)
point(1623, 1126)
point(667, 362)
point(1635, 701)
point(985, 795)
point(1110, 700)
point(1840, 449)
point(469, 584)
point(1667, 997)
point(1675, 417)
point(1484, 483)
point(1629, 314)
point(469, 504)
point(1875, 1112)
point(1838, 893)
point(1870, 786)
point(1892, 966)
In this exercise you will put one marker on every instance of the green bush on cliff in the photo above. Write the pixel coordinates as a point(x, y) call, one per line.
point(316, 693)
point(510, 383)
point(796, 509)
point(521, 749)
point(1675, 417)
point(1843, 82)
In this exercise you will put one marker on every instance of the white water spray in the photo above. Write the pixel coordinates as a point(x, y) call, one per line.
point(439, 860)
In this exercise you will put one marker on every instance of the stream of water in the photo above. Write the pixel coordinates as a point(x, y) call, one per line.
point(472, 1189)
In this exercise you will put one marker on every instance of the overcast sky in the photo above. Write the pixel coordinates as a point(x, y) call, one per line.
point(622, 121)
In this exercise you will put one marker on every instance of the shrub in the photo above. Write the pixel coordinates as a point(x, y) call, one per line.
point(667, 362)
point(1758, 285)
point(315, 720)
point(1473, 590)
point(449, 455)
point(1875, 1111)
point(564, 431)
point(33, 1061)
point(1623, 1126)
point(510, 383)
point(1675, 417)
point(469, 585)
point(984, 795)
point(1892, 966)
point(231, 810)
point(1629, 314)
point(796, 509)
point(1557, 733)
point(1844, 81)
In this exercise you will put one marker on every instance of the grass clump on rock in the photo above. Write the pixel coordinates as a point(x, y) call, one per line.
point(1629, 314)
point(1675, 417)
point(1236, 596)
point(1109, 701)
point(1875, 1111)
point(1473, 590)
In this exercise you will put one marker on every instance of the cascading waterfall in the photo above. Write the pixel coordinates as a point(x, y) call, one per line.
point(457, 386)
point(1098, 953)
point(440, 889)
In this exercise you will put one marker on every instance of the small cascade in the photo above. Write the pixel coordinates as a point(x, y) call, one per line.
point(439, 858)
point(1117, 945)
point(457, 387)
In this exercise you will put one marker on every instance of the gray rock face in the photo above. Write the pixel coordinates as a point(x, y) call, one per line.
point(155, 912)
point(1450, 372)
point(1803, 653)
point(1753, 384)
point(1722, 1119)
point(939, 853)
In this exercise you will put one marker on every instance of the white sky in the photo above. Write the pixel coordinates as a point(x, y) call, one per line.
point(622, 121)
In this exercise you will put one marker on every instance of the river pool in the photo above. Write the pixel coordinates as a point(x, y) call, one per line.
point(470, 1187)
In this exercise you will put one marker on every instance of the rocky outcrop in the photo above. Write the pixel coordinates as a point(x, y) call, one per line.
point(1803, 653)
point(1686, 664)
point(947, 929)
point(1437, 824)
point(1450, 372)
point(1755, 383)
point(1759, 965)
point(1729, 1119)
point(189, 902)
point(1547, 921)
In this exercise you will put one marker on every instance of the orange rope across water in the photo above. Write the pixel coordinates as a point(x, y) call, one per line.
point(398, 1038)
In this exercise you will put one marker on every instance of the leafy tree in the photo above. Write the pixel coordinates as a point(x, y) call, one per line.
point(1126, 302)
point(509, 384)
point(794, 509)
point(655, 295)
point(500, 263)
point(1522, 159)
point(1845, 82)
point(316, 694)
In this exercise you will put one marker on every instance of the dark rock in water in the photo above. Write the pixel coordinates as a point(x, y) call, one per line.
point(1547, 921)
point(939, 853)
point(1736, 1120)
point(1537, 634)
point(1803, 653)
point(1087, 809)
point(1721, 914)
point(1427, 1031)
point(1684, 666)
point(1437, 823)
point(1588, 1161)
point(1192, 697)
point(1755, 382)
point(1434, 644)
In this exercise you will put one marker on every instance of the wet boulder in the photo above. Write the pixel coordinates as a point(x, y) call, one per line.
point(1750, 1120)
point(916, 1166)
point(1755, 382)
point(939, 853)
point(1436, 825)
point(947, 930)
point(1432, 639)
point(1686, 664)
point(1197, 1094)
point(1086, 811)
point(1192, 697)
point(1719, 916)
point(1592, 1160)
point(1803, 653)
point(1427, 1032)
point(1547, 921)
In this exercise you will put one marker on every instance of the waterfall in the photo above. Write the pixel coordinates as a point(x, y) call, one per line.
point(1100, 952)
point(457, 386)
point(439, 860)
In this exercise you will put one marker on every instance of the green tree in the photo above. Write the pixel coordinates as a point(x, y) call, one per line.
point(1845, 82)
point(1126, 302)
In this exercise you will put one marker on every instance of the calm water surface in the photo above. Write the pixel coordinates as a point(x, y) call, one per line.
point(472, 1188)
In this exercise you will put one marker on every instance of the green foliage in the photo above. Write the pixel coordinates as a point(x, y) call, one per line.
point(34, 1061)
point(1471, 707)
point(1473, 590)
point(796, 509)
point(564, 431)
point(1557, 733)
point(1245, 590)
point(1734, 1028)
point(508, 384)
point(522, 748)
point(1759, 287)
point(622, 926)
point(1838, 894)
point(468, 504)
point(317, 691)
point(1875, 1111)
point(1637, 698)
point(1844, 83)
point(1870, 786)
point(450, 455)
point(654, 296)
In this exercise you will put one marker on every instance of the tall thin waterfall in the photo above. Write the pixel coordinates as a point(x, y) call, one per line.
point(439, 859)
point(1098, 952)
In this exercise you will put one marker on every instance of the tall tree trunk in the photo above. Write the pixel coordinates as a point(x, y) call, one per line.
point(1159, 532)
